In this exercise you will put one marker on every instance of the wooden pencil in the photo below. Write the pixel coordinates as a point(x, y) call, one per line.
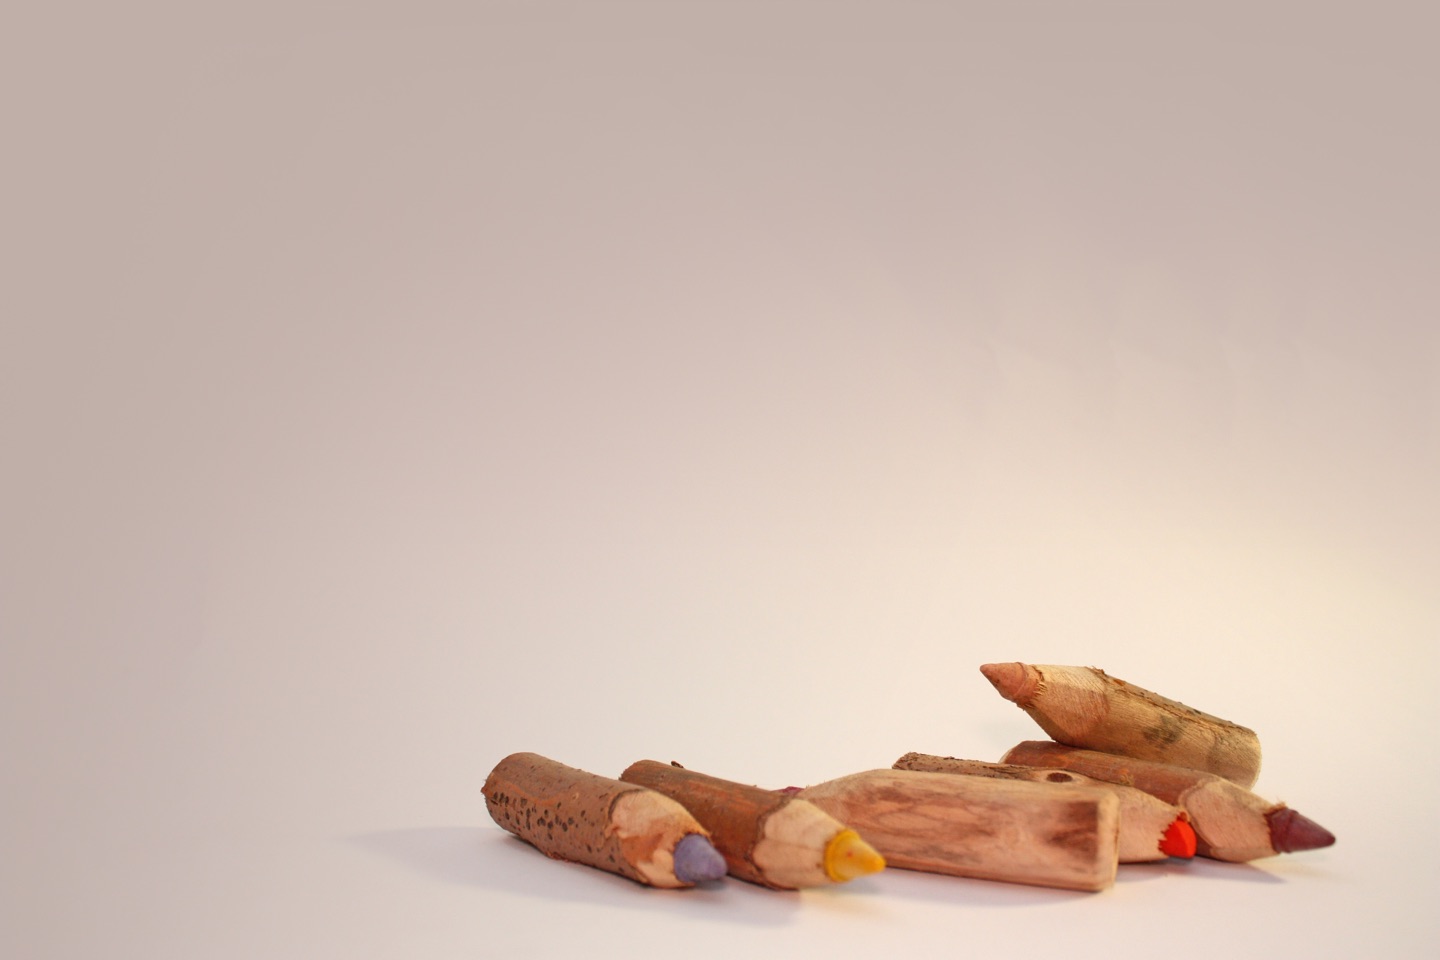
point(1048, 835)
point(1231, 823)
point(1083, 707)
point(569, 814)
point(1150, 828)
point(767, 838)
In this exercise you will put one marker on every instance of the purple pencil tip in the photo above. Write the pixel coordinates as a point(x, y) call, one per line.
point(696, 861)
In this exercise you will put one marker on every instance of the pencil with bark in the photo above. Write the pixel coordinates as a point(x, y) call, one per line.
point(1085, 707)
point(570, 814)
point(1231, 823)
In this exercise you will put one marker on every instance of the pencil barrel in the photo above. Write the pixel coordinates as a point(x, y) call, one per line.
point(1144, 819)
point(1231, 823)
point(1010, 830)
point(573, 815)
point(1085, 707)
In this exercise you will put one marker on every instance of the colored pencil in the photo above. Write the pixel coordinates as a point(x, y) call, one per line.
point(1084, 707)
point(1231, 823)
point(569, 814)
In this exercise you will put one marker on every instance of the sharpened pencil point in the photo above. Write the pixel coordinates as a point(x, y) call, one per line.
point(1014, 680)
point(696, 860)
point(1291, 832)
point(847, 857)
point(1179, 840)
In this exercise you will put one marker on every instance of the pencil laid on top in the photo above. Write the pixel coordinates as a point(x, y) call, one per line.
point(1230, 822)
point(1084, 707)
point(1150, 828)
point(765, 837)
point(1049, 835)
point(569, 814)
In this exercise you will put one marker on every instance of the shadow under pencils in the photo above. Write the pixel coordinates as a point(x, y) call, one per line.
point(495, 860)
point(1200, 867)
point(966, 891)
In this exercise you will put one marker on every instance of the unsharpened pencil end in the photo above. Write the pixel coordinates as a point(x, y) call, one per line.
point(697, 861)
point(1013, 680)
point(847, 856)
point(1179, 840)
point(1291, 832)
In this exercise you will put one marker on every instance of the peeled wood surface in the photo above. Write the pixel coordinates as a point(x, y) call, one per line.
point(1012, 830)
point(765, 837)
point(570, 814)
point(1231, 823)
point(1085, 707)
point(1143, 818)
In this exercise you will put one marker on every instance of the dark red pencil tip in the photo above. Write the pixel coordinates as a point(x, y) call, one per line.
point(1179, 839)
point(1291, 832)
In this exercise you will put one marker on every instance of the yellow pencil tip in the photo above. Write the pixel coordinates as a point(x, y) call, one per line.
point(847, 857)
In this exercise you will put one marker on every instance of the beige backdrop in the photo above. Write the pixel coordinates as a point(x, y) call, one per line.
point(385, 388)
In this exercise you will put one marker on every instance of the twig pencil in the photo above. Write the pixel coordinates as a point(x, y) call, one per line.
point(572, 815)
point(1230, 822)
point(767, 838)
point(1012, 830)
point(1083, 707)
point(1150, 828)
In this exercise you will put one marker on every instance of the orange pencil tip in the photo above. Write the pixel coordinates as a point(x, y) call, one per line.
point(1179, 840)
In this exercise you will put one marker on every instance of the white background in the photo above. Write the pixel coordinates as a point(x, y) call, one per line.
point(385, 388)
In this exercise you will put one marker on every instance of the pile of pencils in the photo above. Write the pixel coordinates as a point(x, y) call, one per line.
point(1127, 776)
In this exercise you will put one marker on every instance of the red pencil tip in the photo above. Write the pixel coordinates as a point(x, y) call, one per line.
point(1179, 840)
point(1014, 680)
point(1291, 832)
